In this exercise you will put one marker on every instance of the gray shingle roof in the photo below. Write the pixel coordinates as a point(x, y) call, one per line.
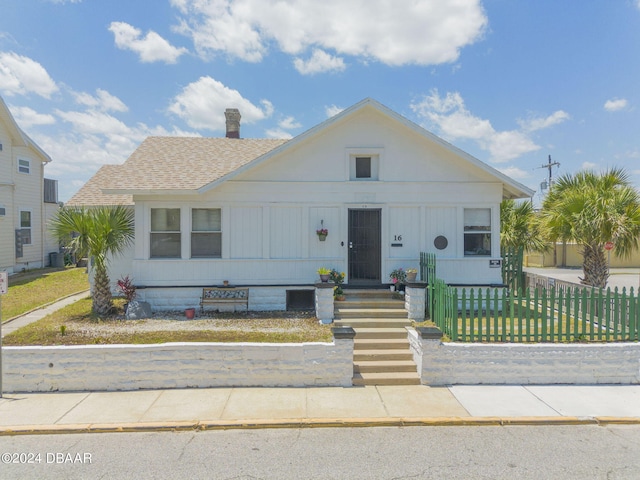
point(185, 163)
point(91, 195)
point(170, 163)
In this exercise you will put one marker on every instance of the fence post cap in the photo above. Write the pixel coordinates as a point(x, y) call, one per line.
point(429, 333)
point(343, 332)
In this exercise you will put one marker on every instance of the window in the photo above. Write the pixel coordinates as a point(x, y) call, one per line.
point(25, 226)
point(24, 166)
point(206, 235)
point(50, 191)
point(477, 232)
point(165, 233)
point(363, 166)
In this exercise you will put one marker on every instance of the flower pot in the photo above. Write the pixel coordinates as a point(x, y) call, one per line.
point(411, 277)
point(339, 298)
point(392, 288)
point(321, 237)
point(190, 313)
point(324, 278)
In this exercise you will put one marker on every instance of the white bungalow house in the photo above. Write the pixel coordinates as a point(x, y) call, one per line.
point(248, 210)
point(27, 199)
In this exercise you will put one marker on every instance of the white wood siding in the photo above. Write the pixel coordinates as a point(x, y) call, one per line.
point(286, 232)
point(246, 234)
point(404, 229)
point(442, 221)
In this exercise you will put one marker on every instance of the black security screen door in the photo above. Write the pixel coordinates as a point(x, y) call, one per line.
point(364, 247)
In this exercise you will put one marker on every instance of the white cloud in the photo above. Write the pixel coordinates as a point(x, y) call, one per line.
point(278, 133)
point(202, 104)
point(422, 33)
point(27, 117)
point(589, 165)
point(151, 48)
point(289, 123)
point(319, 62)
point(515, 173)
point(534, 124)
point(615, 104)
point(103, 101)
point(61, 2)
point(332, 110)
point(451, 118)
point(94, 122)
point(22, 75)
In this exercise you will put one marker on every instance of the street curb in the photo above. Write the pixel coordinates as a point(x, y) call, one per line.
point(313, 423)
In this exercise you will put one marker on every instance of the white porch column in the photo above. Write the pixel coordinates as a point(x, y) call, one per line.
point(324, 301)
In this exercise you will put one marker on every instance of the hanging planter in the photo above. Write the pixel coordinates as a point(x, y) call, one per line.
point(322, 234)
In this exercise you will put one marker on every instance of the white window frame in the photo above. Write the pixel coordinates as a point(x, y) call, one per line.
point(24, 166)
point(200, 232)
point(30, 227)
point(477, 230)
point(153, 233)
point(376, 156)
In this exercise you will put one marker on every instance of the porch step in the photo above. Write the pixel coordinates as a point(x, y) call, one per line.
point(358, 323)
point(382, 355)
point(372, 322)
point(380, 344)
point(384, 366)
point(380, 333)
point(399, 378)
point(342, 312)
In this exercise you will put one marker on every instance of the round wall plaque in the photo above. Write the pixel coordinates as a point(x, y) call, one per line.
point(441, 242)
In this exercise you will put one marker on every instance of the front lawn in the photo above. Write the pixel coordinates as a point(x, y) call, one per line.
point(77, 325)
point(40, 287)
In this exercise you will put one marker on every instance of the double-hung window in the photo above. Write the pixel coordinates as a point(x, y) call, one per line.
point(25, 226)
point(165, 233)
point(477, 232)
point(24, 166)
point(206, 233)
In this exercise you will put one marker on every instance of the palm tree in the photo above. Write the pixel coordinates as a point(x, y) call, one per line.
point(519, 227)
point(97, 233)
point(592, 209)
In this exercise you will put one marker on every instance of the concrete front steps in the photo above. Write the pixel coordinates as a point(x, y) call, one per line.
point(381, 354)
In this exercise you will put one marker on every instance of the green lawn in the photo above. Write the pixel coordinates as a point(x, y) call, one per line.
point(31, 290)
point(83, 327)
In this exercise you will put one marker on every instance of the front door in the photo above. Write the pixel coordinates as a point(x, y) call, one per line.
point(364, 247)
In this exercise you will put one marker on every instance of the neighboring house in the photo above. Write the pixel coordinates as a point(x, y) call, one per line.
point(27, 199)
point(247, 210)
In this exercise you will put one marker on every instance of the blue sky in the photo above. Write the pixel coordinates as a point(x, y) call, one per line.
point(510, 82)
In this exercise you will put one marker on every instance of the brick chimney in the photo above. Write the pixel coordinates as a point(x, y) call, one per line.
point(233, 122)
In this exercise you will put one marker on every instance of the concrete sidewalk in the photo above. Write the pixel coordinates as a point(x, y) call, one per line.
point(226, 408)
point(13, 324)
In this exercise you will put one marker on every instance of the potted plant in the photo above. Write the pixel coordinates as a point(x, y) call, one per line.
point(337, 278)
point(324, 274)
point(398, 277)
point(322, 234)
point(412, 273)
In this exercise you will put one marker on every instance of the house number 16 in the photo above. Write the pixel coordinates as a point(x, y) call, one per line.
point(397, 238)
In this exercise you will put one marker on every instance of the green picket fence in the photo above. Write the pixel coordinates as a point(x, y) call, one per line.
point(554, 315)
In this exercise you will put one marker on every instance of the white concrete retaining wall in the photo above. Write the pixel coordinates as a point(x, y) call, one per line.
point(525, 364)
point(260, 298)
point(176, 365)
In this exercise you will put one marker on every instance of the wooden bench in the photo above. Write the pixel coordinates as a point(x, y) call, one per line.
point(224, 295)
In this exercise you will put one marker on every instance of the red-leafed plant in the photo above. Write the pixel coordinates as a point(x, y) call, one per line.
point(127, 288)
